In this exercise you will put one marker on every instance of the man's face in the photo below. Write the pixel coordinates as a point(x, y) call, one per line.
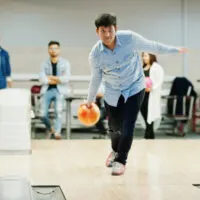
point(107, 34)
point(54, 50)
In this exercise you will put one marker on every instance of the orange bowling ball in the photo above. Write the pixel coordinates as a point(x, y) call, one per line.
point(89, 116)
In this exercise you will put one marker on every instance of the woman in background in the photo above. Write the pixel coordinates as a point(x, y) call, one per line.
point(151, 106)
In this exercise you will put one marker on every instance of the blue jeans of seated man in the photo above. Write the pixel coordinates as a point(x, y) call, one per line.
point(52, 95)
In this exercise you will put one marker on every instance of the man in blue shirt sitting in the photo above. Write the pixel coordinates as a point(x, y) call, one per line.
point(5, 69)
point(115, 60)
point(54, 77)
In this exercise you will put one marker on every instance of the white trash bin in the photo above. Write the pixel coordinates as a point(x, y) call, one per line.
point(15, 188)
point(15, 121)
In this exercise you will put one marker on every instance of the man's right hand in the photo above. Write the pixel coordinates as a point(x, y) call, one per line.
point(50, 77)
point(88, 104)
point(52, 82)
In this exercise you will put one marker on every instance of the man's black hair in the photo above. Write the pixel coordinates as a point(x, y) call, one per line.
point(53, 42)
point(106, 20)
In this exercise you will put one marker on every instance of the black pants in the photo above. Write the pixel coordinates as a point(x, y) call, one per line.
point(149, 132)
point(122, 123)
point(100, 124)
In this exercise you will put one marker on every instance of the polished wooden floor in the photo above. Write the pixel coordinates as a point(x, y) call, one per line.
point(156, 170)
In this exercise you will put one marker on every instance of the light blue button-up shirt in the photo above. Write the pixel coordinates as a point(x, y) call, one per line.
point(120, 69)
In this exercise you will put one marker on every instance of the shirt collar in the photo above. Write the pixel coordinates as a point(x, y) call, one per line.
point(103, 47)
point(49, 61)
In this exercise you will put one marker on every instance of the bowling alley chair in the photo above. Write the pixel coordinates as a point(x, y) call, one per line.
point(180, 103)
point(35, 98)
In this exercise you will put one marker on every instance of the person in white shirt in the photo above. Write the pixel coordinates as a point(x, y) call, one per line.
point(151, 106)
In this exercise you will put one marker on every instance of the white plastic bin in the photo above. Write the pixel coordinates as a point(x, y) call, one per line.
point(15, 120)
point(15, 188)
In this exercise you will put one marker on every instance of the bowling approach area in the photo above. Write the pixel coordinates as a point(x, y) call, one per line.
point(99, 100)
point(156, 170)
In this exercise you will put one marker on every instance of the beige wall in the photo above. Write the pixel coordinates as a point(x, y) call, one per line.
point(27, 26)
point(193, 32)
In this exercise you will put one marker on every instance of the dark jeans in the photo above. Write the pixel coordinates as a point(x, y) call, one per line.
point(100, 124)
point(149, 132)
point(122, 123)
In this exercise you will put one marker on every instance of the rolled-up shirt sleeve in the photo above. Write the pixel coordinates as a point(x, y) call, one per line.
point(96, 77)
point(142, 44)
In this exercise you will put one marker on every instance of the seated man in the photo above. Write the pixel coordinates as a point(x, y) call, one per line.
point(54, 76)
point(5, 69)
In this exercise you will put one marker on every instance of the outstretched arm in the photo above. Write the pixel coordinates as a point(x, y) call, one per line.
point(142, 44)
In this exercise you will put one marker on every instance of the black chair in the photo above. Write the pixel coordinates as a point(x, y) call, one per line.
point(180, 103)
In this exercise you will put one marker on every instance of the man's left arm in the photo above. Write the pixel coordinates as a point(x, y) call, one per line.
point(64, 77)
point(142, 44)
